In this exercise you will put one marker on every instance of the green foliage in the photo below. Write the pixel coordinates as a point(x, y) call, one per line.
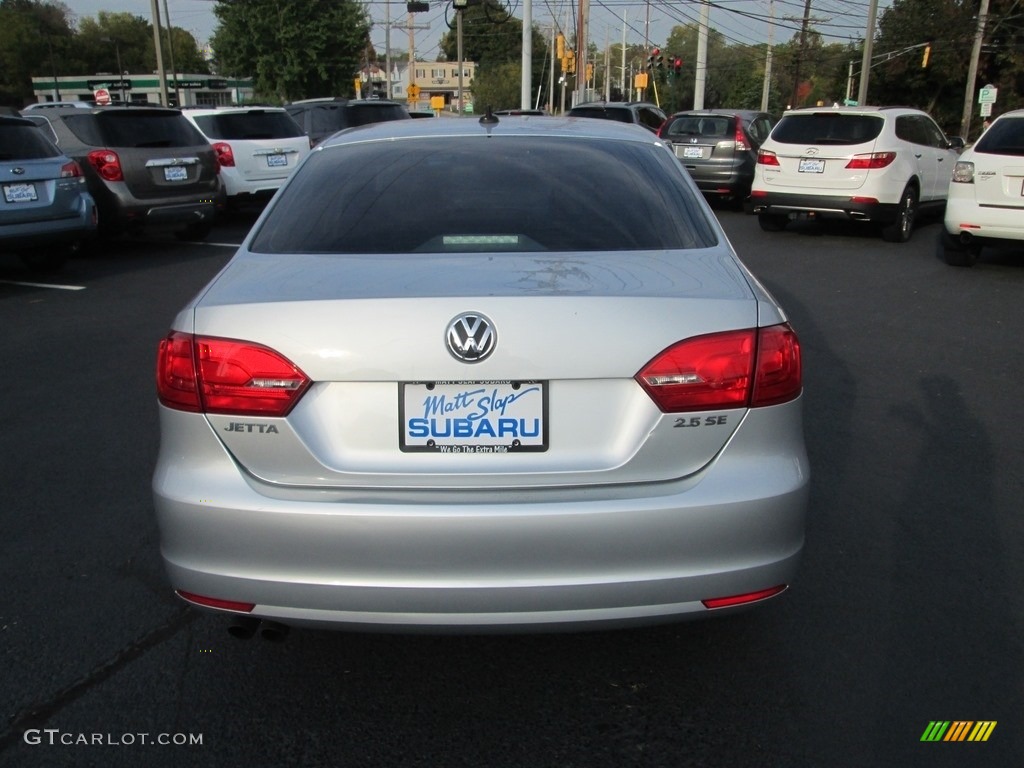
point(34, 40)
point(498, 86)
point(293, 49)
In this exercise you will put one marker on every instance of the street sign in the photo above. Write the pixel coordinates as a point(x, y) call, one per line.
point(413, 91)
point(986, 109)
point(987, 95)
point(102, 96)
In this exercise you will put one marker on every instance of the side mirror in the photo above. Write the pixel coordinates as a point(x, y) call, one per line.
point(957, 142)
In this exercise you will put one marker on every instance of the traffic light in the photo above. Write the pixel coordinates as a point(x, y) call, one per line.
point(677, 65)
point(590, 71)
point(655, 58)
point(927, 53)
point(560, 46)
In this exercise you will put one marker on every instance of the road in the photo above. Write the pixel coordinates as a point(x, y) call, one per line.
point(908, 609)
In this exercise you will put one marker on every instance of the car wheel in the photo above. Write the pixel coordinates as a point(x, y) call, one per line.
point(45, 260)
point(903, 227)
point(197, 231)
point(772, 222)
point(955, 253)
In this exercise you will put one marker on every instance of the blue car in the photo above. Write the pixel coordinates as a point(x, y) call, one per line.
point(46, 212)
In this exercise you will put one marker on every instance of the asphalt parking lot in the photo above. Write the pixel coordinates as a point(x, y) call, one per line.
point(908, 609)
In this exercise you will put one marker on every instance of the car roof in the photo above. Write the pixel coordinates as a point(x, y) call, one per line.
point(15, 120)
point(853, 110)
point(532, 125)
point(719, 111)
point(229, 108)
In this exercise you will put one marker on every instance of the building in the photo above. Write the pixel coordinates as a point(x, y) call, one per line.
point(430, 78)
point(184, 90)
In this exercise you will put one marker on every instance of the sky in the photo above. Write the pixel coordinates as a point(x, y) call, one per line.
point(740, 21)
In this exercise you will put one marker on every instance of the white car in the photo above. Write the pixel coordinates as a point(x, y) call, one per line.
point(494, 374)
point(986, 193)
point(870, 164)
point(257, 147)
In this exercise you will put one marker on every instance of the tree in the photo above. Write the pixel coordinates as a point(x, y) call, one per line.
point(493, 39)
point(292, 49)
point(100, 41)
point(34, 40)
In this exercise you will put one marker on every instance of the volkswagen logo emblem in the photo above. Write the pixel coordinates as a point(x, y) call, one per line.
point(17, 171)
point(471, 337)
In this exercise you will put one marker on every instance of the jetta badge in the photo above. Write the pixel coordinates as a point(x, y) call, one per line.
point(471, 337)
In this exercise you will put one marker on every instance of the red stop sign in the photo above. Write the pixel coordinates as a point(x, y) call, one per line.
point(102, 96)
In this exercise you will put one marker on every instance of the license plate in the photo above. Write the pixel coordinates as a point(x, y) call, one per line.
point(692, 152)
point(811, 165)
point(20, 193)
point(473, 416)
point(175, 173)
point(277, 161)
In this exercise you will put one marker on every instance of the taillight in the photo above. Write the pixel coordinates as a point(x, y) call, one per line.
point(741, 140)
point(107, 164)
point(216, 602)
point(734, 369)
point(748, 597)
point(210, 375)
point(871, 161)
point(963, 172)
point(766, 157)
point(225, 156)
point(70, 170)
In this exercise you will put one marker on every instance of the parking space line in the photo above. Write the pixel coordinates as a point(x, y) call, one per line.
point(45, 285)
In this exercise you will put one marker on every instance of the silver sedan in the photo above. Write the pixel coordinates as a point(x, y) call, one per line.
point(482, 375)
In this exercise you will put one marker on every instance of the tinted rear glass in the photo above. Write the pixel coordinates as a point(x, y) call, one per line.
point(827, 128)
point(1005, 137)
point(24, 142)
point(240, 126)
point(621, 115)
point(486, 194)
point(134, 128)
point(364, 114)
point(709, 126)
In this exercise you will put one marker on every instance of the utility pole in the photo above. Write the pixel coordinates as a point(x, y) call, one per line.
point(972, 71)
point(701, 65)
point(581, 52)
point(800, 55)
point(170, 50)
point(768, 59)
point(526, 87)
point(158, 44)
point(865, 67)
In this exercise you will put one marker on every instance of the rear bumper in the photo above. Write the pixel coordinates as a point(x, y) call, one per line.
point(501, 560)
point(54, 232)
point(119, 210)
point(823, 206)
point(983, 223)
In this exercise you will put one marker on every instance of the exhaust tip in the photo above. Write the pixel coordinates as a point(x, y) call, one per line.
point(243, 627)
point(274, 632)
point(966, 238)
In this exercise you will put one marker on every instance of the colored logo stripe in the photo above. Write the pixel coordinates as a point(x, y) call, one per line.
point(958, 730)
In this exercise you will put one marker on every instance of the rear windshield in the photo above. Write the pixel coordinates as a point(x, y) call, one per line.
point(134, 128)
point(618, 114)
point(710, 126)
point(239, 126)
point(827, 128)
point(508, 193)
point(24, 142)
point(1005, 137)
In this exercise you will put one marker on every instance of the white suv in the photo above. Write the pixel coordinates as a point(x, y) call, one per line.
point(257, 147)
point(986, 194)
point(873, 164)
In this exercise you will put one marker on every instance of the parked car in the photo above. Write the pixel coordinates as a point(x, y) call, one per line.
point(46, 211)
point(718, 147)
point(521, 112)
point(146, 167)
point(650, 116)
point(320, 118)
point(871, 164)
point(493, 374)
point(257, 147)
point(986, 194)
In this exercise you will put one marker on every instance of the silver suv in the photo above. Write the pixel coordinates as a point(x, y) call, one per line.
point(871, 164)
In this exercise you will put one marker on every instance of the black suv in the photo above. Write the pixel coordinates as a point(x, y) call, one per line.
point(642, 113)
point(321, 118)
point(719, 148)
point(146, 167)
